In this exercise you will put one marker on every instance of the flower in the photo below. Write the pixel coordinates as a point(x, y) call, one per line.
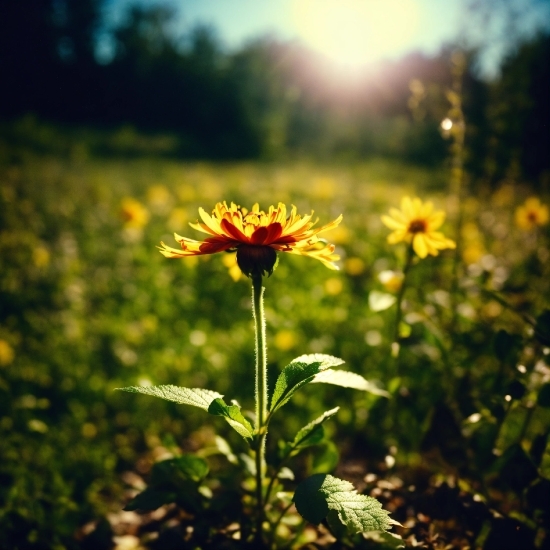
point(133, 213)
point(416, 223)
point(531, 214)
point(257, 236)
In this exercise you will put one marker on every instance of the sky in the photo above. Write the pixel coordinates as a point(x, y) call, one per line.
point(352, 33)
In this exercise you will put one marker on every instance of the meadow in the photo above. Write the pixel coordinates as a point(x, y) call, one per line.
point(88, 304)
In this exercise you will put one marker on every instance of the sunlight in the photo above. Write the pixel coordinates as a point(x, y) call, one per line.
point(356, 32)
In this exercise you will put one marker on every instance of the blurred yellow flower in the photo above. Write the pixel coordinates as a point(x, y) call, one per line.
point(531, 214)
point(392, 280)
point(333, 286)
point(354, 266)
point(133, 212)
point(230, 261)
point(158, 194)
point(7, 354)
point(257, 236)
point(177, 218)
point(159, 198)
point(285, 340)
point(41, 256)
point(416, 223)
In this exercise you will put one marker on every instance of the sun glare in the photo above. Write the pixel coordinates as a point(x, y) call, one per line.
point(356, 32)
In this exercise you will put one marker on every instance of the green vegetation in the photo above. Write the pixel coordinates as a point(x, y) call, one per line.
point(88, 305)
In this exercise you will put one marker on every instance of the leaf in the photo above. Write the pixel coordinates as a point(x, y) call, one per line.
point(184, 467)
point(348, 379)
point(379, 301)
point(297, 374)
point(318, 494)
point(150, 499)
point(311, 434)
point(233, 415)
point(196, 397)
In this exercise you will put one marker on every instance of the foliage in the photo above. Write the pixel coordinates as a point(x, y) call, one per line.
point(87, 306)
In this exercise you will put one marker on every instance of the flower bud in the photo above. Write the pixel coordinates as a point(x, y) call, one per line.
point(256, 260)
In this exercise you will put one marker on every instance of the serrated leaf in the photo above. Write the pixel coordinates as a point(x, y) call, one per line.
point(311, 434)
point(327, 361)
point(379, 301)
point(195, 397)
point(320, 493)
point(234, 417)
point(297, 374)
point(348, 379)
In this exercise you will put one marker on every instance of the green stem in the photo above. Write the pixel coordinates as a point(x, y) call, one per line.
point(260, 397)
point(398, 312)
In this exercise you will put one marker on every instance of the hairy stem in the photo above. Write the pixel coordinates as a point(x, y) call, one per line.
point(260, 396)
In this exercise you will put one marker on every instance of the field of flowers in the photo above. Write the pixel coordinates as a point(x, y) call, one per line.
point(88, 304)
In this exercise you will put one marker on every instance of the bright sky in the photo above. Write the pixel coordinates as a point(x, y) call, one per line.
point(350, 32)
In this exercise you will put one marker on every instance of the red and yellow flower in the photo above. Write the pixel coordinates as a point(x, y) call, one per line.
point(417, 223)
point(257, 236)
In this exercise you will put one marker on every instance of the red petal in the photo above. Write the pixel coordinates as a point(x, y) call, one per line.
point(228, 227)
point(211, 246)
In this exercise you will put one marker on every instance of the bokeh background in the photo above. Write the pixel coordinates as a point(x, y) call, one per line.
point(118, 120)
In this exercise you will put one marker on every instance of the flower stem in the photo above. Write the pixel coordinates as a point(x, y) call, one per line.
point(399, 312)
point(260, 397)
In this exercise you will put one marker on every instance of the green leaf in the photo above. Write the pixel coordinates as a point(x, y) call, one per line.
point(150, 499)
point(379, 301)
point(348, 379)
point(184, 467)
point(196, 397)
point(297, 374)
point(233, 415)
point(320, 493)
point(309, 435)
point(543, 399)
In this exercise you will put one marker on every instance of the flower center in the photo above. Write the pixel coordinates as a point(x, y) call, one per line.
point(417, 226)
point(532, 216)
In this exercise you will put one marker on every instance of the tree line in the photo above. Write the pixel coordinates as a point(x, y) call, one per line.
point(268, 99)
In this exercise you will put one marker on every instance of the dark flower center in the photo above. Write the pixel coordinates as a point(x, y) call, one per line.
point(532, 216)
point(417, 226)
point(256, 261)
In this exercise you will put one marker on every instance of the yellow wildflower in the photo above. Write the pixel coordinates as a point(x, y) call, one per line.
point(531, 214)
point(416, 223)
point(133, 212)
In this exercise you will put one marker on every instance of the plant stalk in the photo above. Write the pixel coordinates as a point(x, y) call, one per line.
point(260, 397)
point(399, 312)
